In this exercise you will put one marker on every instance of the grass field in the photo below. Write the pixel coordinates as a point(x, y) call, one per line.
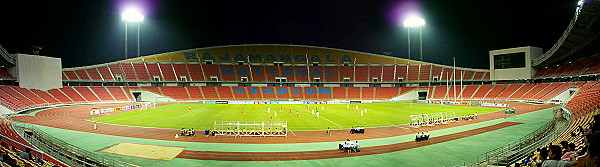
point(335, 116)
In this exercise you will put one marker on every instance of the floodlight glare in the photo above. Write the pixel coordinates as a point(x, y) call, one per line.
point(414, 22)
point(132, 15)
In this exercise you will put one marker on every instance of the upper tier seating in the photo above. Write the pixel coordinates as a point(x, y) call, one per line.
point(583, 66)
point(193, 71)
point(5, 74)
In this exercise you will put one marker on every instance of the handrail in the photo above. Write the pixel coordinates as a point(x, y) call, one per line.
point(507, 153)
point(68, 153)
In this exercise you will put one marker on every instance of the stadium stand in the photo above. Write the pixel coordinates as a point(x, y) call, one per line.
point(87, 93)
point(60, 96)
point(5, 74)
point(510, 89)
point(72, 94)
point(492, 94)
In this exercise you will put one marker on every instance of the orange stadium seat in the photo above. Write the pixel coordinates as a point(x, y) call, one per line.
point(82, 74)
point(413, 73)
point(536, 89)
point(175, 92)
point(46, 96)
point(284, 96)
point(141, 72)
point(508, 91)
point(521, 91)
point(367, 93)
point(168, 72)
point(195, 93)
point(225, 92)
point(153, 71)
point(71, 93)
point(210, 92)
point(296, 92)
point(492, 94)
point(60, 96)
point(102, 93)
point(129, 71)
point(339, 93)
point(468, 75)
point(87, 93)
point(94, 74)
point(118, 93)
point(482, 91)
point(5, 74)
point(196, 73)
point(353, 93)
point(181, 70)
point(469, 91)
point(27, 93)
point(425, 73)
point(71, 75)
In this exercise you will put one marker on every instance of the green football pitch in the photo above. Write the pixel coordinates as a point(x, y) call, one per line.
point(335, 116)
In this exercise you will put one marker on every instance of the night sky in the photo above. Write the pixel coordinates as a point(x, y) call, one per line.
point(91, 32)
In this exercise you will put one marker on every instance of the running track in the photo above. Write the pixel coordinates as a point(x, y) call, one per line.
point(73, 118)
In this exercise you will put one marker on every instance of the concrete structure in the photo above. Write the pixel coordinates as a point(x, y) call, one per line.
point(38, 72)
point(513, 63)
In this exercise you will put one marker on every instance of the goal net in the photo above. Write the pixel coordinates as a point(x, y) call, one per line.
point(250, 128)
point(147, 105)
point(448, 115)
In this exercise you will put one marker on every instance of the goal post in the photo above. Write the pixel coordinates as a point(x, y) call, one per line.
point(146, 105)
point(250, 128)
point(436, 116)
point(449, 114)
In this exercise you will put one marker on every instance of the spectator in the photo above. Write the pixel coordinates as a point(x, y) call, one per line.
point(554, 158)
point(564, 145)
point(593, 151)
point(571, 150)
point(541, 157)
point(24, 154)
point(37, 160)
point(6, 158)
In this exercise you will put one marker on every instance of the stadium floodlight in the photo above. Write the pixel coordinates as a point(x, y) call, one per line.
point(133, 16)
point(415, 22)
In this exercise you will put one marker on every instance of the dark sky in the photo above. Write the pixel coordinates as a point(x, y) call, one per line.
point(91, 32)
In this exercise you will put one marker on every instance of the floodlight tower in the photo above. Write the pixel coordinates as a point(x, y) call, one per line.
point(133, 16)
point(415, 22)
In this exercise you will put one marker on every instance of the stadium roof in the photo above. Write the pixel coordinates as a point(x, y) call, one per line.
point(580, 39)
point(6, 59)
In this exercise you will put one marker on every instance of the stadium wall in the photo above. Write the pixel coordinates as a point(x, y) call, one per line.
point(151, 97)
point(412, 95)
point(39, 72)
